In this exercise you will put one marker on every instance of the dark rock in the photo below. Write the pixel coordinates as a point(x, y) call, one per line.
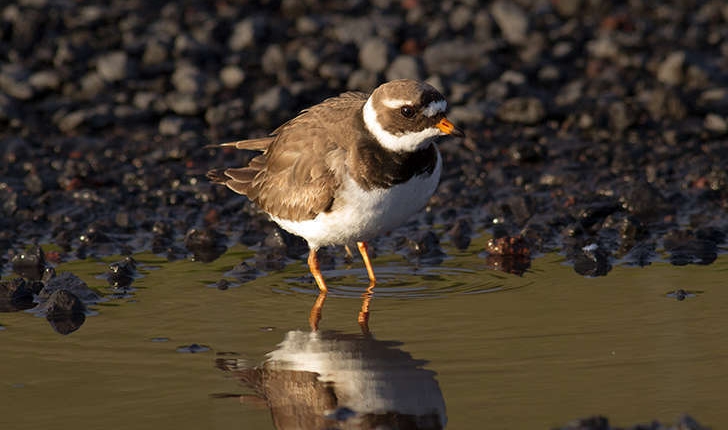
point(206, 245)
point(425, 247)
point(29, 264)
point(460, 234)
point(62, 302)
point(64, 311)
point(685, 249)
point(590, 260)
point(72, 284)
point(243, 272)
point(15, 295)
point(644, 201)
point(121, 273)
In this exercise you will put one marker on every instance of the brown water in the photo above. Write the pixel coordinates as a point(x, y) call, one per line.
point(499, 350)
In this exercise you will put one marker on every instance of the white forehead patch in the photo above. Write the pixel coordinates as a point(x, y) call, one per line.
point(434, 108)
point(395, 103)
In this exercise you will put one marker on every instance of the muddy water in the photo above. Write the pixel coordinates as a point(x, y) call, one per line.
point(484, 348)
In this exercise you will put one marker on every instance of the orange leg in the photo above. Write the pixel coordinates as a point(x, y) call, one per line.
point(363, 318)
point(364, 250)
point(315, 268)
point(313, 265)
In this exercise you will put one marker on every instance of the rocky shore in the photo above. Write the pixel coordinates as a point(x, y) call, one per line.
point(595, 128)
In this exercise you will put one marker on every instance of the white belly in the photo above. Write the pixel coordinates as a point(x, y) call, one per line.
point(366, 214)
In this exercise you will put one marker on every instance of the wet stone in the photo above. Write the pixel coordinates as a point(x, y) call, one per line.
point(425, 247)
point(590, 260)
point(460, 234)
point(121, 273)
point(29, 264)
point(206, 245)
point(15, 295)
point(524, 110)
point(71, 283)
point(64, 311)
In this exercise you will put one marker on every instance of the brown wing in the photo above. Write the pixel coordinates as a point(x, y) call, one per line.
point(297, 176)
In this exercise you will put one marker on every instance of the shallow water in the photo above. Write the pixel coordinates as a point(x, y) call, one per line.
point(498, 350)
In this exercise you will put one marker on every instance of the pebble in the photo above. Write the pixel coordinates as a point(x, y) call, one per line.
point(512, 21)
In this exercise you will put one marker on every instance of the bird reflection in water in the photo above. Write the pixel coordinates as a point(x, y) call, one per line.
point(326, 380)
point(317, 309)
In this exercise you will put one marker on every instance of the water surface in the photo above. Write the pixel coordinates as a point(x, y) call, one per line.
point(499, 350)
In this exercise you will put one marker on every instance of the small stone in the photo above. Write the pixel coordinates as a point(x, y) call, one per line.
point(246, 33)
point(512, 21)
point(73, 284)
point(274, 60)
point(15, 294)
point(206, 245)
point(187, 79)
point(404, 67)
point(29, 264)
point(374, 55)
point(45, 80)
point(232, 77)
point(274, 99)
point(715, 123)
point(113, 66)
point(670, 71)
point(524, 110)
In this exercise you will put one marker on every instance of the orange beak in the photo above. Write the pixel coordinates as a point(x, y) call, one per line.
point(447, 127)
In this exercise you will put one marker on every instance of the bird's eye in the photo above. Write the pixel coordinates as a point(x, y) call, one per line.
point(407, 111)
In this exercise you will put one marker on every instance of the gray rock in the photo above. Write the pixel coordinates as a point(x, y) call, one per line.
point(570, 93)
point(155, 53)
point(72, 283)
point(187, 79)
point(274, 99)
point(184, 104)
point(404, 67)
point(274, 60)
point(469, 114)
point(171, 125)
point(225, 112)
point(512, 21)
point(60, 303)
point(716, 123)
point(361, 80)
point(603, 47)
point(308, 58)
point(45, 80)
point(567, 8)
point(524, 110)
point(374, 55)
point(447, 58)
point(113, 66)
point(670, 70)
point(91, 85)
point(246, 33)
point(460, 17)
point(72, 120)
point(232, 76)
point(14, 81)
point(620, 116)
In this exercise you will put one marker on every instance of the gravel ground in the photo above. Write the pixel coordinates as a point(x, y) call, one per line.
point(595, 128)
